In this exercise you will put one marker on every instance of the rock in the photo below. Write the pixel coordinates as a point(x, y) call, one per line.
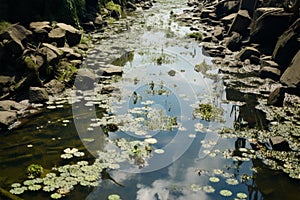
point(269, 63)
point(234, 42)
point(218, 32)
point(58, 36)
point(287, 46)
point(56, 50)
point(50, 56)
point(212, 50)
point(291, 76)
point(254, 60)
point(172, 73)
point(99, 21)
point(110, 70)
point(248, 5)
point(16, 35)
point(5, 83)
point(131, 6)
point(205, 13)
point(38, 26)
point(85, 79)
point(241, 23)
point(228, 19)
point(266, 29)
point(38, 95)
point(54, 87)
point(247, 52)
point(276, 97)
point(33, 62)
point(74, 56)
point(73, 35)
point(7, 118)
point(224, 8)
point(279, 143)
point(7, 105)
point(270, 72)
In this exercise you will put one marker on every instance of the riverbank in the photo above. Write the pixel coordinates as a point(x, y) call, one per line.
point(42, 59)
point(257, 51)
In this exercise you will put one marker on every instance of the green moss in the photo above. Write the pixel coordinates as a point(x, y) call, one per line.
point(34, 170)
point(114, 7)
point(196, 35)
point(30, 63)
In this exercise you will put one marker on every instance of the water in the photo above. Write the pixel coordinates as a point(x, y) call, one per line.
point(157, 97)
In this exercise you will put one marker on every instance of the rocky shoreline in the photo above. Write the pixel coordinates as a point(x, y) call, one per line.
point(42, 59)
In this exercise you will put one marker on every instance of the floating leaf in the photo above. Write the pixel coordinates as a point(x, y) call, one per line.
point(214, 179)
point(226, 193)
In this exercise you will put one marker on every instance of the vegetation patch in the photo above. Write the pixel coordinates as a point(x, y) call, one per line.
point(196, 35)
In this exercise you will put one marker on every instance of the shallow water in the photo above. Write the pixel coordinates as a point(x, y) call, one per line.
point(156, 97)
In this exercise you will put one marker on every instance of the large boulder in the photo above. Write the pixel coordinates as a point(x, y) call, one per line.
point(7, 105)
point(15, 36)
point(241, 23)
point(270, 72)
point(291, 76)
point(58, 36)
point(248, 5)
point(224, 8)
point(38, 95)
point(287, 46)
point(73, 35)
point(234, 42)
point(266, 29)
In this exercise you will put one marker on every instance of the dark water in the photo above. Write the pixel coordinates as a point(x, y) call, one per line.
point(156, 97)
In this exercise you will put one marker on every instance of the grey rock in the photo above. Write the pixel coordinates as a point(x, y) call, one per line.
point(270, 72)
point(240, 23)
point(85, 79)
point(73, 35)
point(291, 76)
point(110, 70)
point(38, 95)
point(287, 46)
point(218, 32)
point(276, 97)
point(279, 143)
point(54, 87)
point(50, 56)
point(7, 118)
point(7, 105)
point(16, 35)
point(248, 5)
point(247, 52)
point(267, 28)
point(37, 27)
point(234, 42)
point(58, 36)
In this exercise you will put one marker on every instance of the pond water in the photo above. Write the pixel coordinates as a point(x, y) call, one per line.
point(154, 135)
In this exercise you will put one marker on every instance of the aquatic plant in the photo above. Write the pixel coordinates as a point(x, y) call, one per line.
point(225, 193)
point(209, 189)
point(196, 35)
point(196, 188)
point(114, 197)
point(241, 195)
point(232, 181)
point(214, 179)
point(34, 170)
point(207, 112)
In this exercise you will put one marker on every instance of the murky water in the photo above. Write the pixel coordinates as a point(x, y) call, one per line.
point(157, 100)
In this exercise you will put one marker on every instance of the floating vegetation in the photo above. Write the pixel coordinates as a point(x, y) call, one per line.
point(214, 179)
point(196, 35)
point(18, 190)
point(226, 193)
point(69, 153)
point(151, 140)
point(56, 196)
point(241, 195)
point(208, 112)
point(208, 189)
point(159, 151)
point(232, 181)
point(34, 170)
point(195, 187)
point(114, 197)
